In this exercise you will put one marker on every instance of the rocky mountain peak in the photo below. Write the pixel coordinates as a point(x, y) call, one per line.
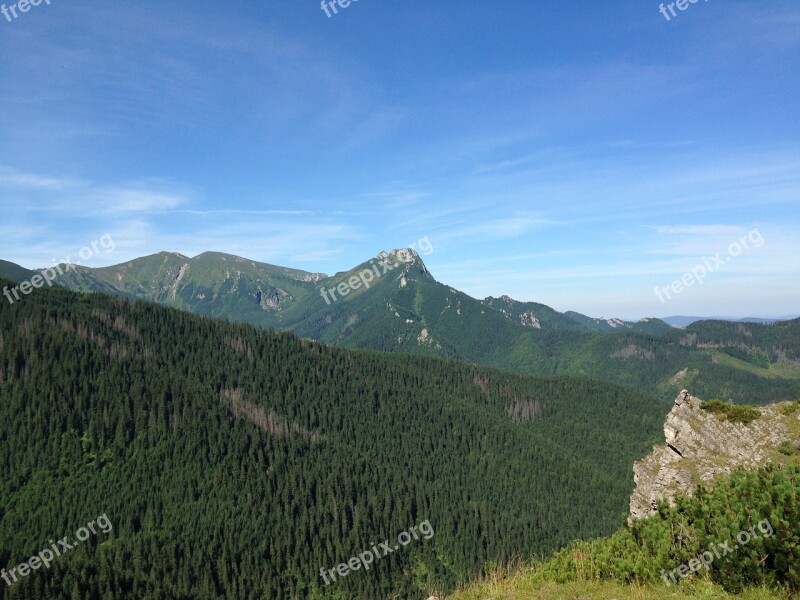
point(408, 258)
point(404, 255)
point(700, 445)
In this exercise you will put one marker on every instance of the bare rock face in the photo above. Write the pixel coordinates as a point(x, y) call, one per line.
point(699, 447)
point(528, 319)
point(272, 299)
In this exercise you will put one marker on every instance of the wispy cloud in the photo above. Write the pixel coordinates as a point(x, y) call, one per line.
point(501, 228)
point(15, 179)
point(152, 215)
point(702, 230)
point(207, 213)
point(130, 200)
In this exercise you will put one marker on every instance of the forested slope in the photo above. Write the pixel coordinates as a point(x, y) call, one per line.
point(235, 462)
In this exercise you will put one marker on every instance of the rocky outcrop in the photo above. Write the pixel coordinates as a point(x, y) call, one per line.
point(272, 299)
point(700, 447)
point(528, 319)
point(311, 277)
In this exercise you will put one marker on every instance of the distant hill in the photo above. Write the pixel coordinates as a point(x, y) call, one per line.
point(654, 326)
point(686, 321)
point(14, 272)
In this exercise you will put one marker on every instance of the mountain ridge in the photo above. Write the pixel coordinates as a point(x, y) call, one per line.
point(393, 303)
point(107, 275)
point(565, 319)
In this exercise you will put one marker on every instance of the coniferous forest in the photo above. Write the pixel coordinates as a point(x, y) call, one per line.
point(235, 462)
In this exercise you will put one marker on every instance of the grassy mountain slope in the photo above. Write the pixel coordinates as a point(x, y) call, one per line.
point(235, 462)
point(14, 272)
point(213, 284)
point(523, 584)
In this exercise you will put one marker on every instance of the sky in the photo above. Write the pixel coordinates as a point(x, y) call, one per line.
point(586, 156)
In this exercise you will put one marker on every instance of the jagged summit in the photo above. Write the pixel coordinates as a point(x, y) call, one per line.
point(407, 259)
point(403, 255)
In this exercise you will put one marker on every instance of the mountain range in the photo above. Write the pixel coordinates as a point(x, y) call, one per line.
point(393, 303)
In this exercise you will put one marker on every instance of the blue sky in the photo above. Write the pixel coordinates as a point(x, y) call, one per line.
point(579, 155)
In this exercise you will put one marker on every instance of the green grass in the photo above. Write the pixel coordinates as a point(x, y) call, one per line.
point(785, 370)
point(525, 586)
point(731, 412)
point(791, 408)
point(775, 371)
